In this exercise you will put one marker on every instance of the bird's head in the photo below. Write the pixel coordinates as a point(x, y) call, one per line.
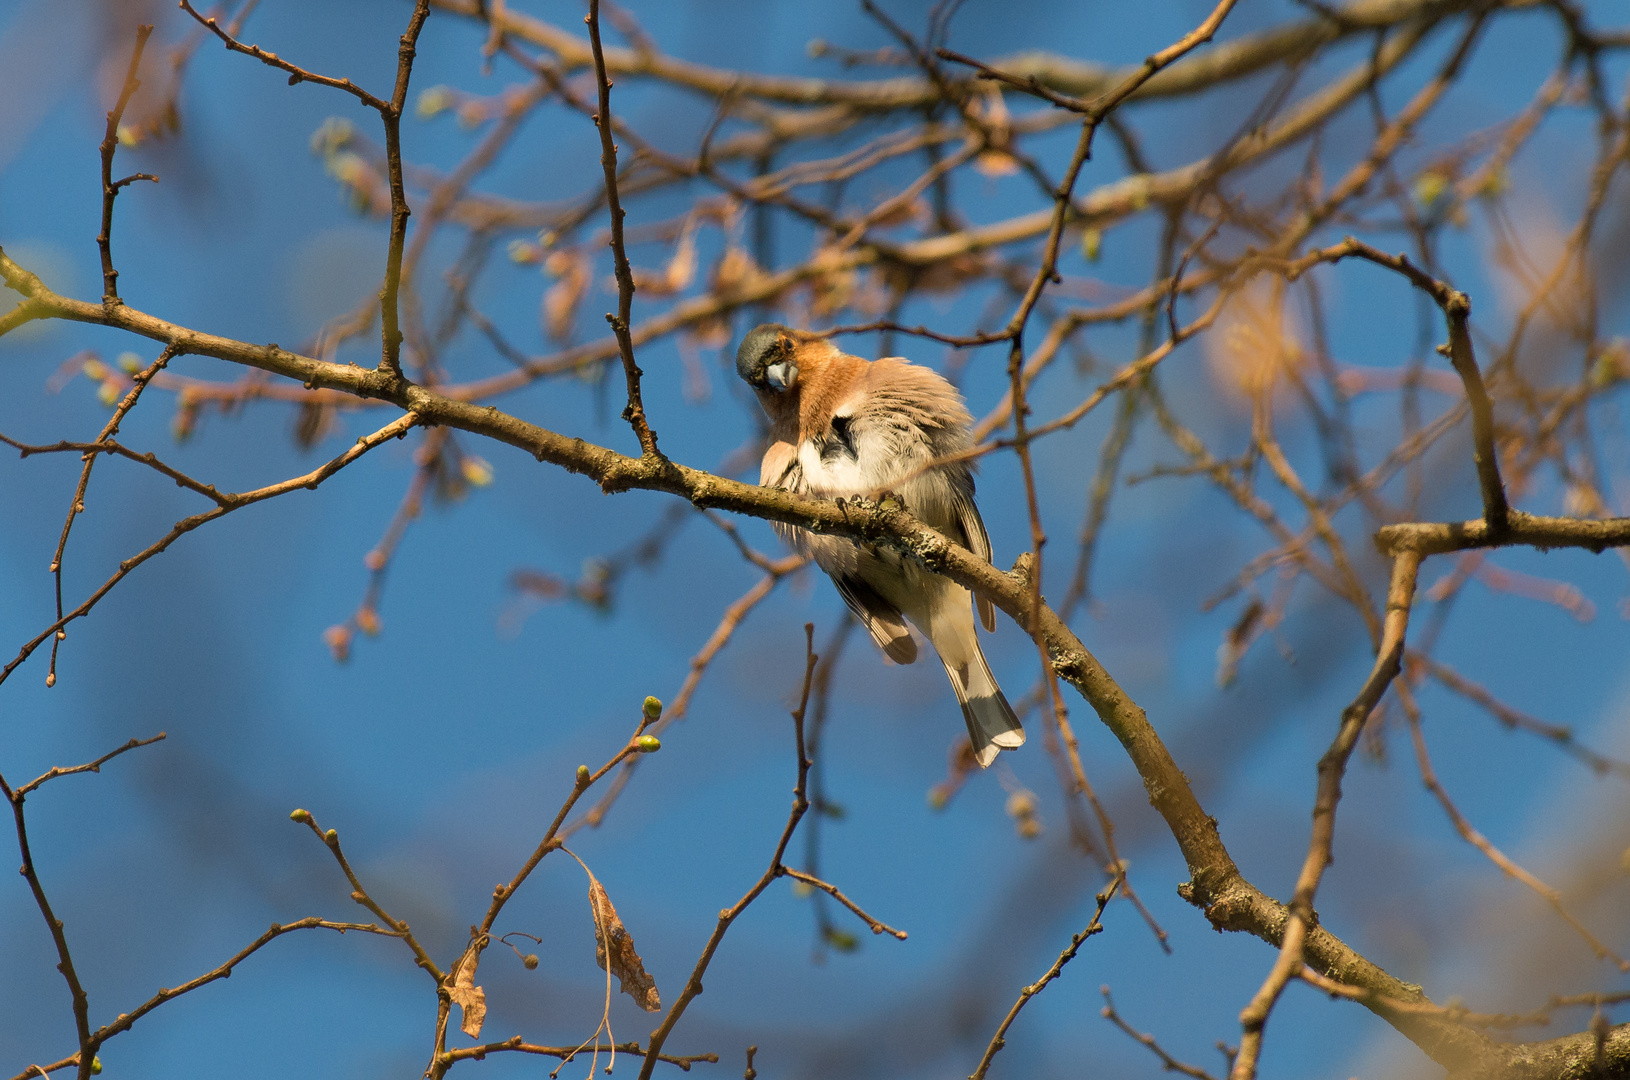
point(766, 359)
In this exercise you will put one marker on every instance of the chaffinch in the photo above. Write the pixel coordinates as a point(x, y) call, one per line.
point(842, 427)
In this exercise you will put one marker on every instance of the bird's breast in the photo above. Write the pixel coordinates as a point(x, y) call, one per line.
point(834, 468)
point(857, 455)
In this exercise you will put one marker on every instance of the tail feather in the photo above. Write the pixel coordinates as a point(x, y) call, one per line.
point(992, 725)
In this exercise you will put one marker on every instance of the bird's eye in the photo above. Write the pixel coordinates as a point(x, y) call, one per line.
point(782, 376)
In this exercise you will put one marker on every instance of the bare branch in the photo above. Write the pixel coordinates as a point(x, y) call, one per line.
point(397, 928)
point(296, 74)
point(800, 804)
point(93, 766)
point(832, 891)
point(110, 189)
point(620, 323)
point(1167, 1062)
point(1094, 926)
point(225, 504)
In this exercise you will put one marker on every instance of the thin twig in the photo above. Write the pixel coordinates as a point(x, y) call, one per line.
point(1515, 719)
point(110, 189)
point(800, 805)
point(635, 412)
point(676, 710)
point(1507, 866)
point(86, 1063)
point(1094, 926)
point(296, 74)
point(226, 503)
point(92, 766)
point(331, 838)
point(1167, 1062)
point(566, 1053)
point(1456, 307)
point(77, 505)
point(832, 891)
point(1332, 766)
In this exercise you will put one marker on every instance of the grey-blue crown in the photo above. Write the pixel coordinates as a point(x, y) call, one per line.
point(763, 346)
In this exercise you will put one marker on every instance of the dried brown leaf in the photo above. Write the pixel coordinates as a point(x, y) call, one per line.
point(681, 269)
point(612, 938)
point(1237, 642)
point(833, 283)
point(561, 300)
point(471, 999)
point(943, 276)
point(1258, 342)
point(995, 163)
point(734, 270)
point(963, 763)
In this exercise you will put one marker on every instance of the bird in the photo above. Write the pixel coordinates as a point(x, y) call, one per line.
point(842, 427)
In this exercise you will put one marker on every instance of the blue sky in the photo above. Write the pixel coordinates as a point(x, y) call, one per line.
point(441, 749)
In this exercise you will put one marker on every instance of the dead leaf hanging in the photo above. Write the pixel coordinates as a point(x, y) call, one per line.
point(471, 999)
point(561, 300)
point(612, 938)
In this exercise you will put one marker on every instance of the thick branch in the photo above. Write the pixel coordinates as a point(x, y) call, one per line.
point(1526, 530)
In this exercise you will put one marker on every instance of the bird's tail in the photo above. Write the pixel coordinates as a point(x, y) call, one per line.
point(991, 723)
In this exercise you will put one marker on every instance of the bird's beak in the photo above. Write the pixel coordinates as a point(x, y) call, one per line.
point(782, 376)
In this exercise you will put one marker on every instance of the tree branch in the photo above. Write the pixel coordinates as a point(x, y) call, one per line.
point(1229, 900)
point(635, 411)
point(110, 190)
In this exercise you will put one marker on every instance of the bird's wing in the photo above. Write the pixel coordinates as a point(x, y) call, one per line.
point(978, 542)
point(780, 467)
point(881, 618)
point(929, 420)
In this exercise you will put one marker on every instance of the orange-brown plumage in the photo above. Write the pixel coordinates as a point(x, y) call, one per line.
point(841, 427)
